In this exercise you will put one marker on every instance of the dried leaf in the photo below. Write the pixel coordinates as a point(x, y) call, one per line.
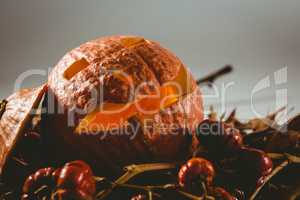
point(283, 142)
point(259, 124)
point(294, 123)
point(222, 116)
point(213, 115)
point(273, 115)
point(231, 119)
point(15, 118)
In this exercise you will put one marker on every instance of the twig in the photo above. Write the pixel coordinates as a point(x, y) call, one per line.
point(205, 193)
point(290, 157)
point(132, 171)
point(150, 195)
point(151, 188)
point(212, 77)
point(20, 161)
point(268, 178)
point(148, 187)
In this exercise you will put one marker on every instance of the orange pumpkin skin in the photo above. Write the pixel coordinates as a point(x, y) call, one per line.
point(86, 69)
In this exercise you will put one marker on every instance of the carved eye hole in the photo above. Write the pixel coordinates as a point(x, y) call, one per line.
point(132, 41)
point(75, 68)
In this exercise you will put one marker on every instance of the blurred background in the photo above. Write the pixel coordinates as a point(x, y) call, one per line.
point(257, 37)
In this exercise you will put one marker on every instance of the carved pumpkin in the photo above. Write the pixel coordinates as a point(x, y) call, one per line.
point(122, 99)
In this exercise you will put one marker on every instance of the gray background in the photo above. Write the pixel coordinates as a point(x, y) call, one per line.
point(257, 37)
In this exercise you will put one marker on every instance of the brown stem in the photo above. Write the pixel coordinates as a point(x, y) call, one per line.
point(132, 171)
point(290, 157)
point(151, 188)
point(150, 194)
point(148, 187)
point(215, 75)
point(163, 187)
point(20, 161)
point(203, 186)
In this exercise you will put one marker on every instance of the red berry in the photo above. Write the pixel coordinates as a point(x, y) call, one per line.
point(55, 175)
point(219, 137)
point(232, 139)
point(76, 180)
point(36, 180)
point(80, 164)
point(256, 162)
point(194, 171)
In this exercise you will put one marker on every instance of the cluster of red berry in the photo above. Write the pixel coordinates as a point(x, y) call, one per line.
point(221, 140)
point(197, 174)
point(74, 180)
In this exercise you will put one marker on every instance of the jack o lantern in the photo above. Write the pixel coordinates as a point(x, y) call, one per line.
point(122, 99)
